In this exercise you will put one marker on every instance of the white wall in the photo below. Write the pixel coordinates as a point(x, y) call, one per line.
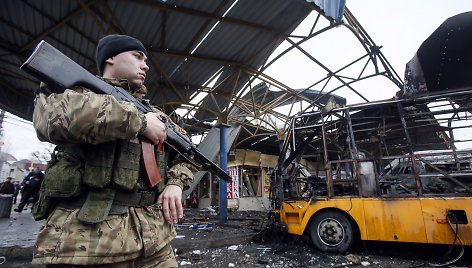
point(244, 204)
point(11, 170)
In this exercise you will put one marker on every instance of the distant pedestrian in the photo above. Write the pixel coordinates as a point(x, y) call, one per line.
point(7, 187)
point(31, 185)
point(17, 190)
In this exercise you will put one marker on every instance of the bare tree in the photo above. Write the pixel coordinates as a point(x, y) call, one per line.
point(44, 155)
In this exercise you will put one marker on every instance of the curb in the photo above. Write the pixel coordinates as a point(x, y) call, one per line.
point(186, 244)
point(16, 253)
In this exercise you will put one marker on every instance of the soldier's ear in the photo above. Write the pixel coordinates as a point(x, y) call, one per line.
point(110, 60)
point(108, 63)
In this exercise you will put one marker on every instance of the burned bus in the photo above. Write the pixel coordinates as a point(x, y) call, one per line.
point(395, 170)
point(383, 171)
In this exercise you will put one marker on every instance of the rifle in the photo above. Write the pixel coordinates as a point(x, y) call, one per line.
point(59, 72)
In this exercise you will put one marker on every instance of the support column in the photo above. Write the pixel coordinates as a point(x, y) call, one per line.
point(224, 166)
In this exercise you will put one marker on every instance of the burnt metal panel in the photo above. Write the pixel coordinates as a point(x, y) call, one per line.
point(444, 59)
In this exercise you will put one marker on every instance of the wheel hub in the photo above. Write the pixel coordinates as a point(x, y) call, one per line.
point(330, 232)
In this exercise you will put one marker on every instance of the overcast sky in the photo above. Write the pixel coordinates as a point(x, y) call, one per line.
point(398, 26)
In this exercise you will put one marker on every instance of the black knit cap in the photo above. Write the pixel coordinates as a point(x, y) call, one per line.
point(112, 45)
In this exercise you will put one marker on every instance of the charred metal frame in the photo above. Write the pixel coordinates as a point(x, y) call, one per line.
point(392, 148)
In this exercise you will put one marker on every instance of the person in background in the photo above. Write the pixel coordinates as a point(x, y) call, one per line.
point(7, 186)
point(30, 189)
point(17, 190)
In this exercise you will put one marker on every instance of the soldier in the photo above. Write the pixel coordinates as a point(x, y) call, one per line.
point(100, 210)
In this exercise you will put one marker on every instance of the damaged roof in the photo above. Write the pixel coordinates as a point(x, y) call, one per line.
point(206, 57)
point(188, 41)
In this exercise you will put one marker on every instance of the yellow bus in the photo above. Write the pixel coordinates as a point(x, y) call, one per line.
point(392, 170)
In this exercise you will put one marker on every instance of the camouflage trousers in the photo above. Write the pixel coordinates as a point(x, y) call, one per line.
point(139, 238)
point(165, 258)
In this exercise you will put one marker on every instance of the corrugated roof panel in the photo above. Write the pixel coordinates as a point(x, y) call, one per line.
point(258, 12)
point(196, 71)
point(200, 23)
point(178, 34)
point(21, 18)
point(133, 18)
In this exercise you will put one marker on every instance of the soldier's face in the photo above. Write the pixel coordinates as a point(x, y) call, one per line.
point(130, 65)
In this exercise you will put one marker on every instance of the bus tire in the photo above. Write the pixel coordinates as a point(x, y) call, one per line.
point(332, 231)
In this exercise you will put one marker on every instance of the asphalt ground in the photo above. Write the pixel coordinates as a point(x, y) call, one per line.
point(203, 241)
point(198, 230)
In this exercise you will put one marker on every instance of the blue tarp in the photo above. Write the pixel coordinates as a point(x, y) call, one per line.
point(331, 8)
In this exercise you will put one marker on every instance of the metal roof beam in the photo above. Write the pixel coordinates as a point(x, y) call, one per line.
point(207, 15)
point(182, 54)
point(167, 78)
point(201, 31)
point(249, 69)
point(56, 26)
point(111, 20)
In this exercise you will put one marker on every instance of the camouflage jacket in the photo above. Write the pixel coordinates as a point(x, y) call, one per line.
point(81, 116)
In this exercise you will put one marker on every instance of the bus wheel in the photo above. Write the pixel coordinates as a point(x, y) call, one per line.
point(331, 231)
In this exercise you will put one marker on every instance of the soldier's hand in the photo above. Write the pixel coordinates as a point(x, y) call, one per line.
point(171, 200)
point(155, 130)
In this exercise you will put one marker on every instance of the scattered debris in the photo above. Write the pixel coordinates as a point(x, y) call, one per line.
point(208, 226)
point(288, 250)
point(233, 247)
point(262, 261)
point(183, 263)
point(353, 258)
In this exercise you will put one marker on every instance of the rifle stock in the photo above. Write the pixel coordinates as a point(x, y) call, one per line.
point(59, 72)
